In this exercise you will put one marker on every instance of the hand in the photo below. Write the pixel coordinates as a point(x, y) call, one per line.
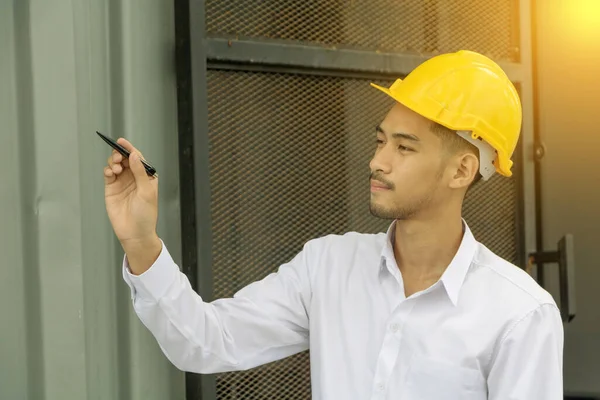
point(131, 199)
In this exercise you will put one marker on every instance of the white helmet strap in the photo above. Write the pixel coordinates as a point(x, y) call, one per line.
point(487, 154)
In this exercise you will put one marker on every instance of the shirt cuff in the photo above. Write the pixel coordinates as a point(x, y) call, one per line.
point(154, 282)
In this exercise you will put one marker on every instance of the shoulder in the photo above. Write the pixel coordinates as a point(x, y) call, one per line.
point(509, 287)
point(348, 249)
point(348, 242)
point(509, 300)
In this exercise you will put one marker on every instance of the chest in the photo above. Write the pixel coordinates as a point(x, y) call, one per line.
point(388, 346)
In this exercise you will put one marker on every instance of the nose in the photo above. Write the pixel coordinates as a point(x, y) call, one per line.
point(380, 161)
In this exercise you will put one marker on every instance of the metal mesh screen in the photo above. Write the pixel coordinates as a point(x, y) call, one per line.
point(490, 210)
point(289, 162)
point(411, 26)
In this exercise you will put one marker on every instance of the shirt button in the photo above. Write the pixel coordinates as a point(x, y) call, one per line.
point(380, 386)
point(394, 327)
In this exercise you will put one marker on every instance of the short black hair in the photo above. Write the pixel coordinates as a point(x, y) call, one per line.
point(454, 143)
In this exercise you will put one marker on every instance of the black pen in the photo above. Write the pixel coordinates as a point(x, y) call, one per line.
point(150, 170)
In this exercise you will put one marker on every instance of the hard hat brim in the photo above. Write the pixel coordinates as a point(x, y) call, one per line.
point(384, 89)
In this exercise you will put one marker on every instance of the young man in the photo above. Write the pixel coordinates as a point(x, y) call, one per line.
point(421, 312)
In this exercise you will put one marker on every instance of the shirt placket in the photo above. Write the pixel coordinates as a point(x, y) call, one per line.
point(390, 349)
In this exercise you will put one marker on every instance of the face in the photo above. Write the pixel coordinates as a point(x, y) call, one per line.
point(408, 168)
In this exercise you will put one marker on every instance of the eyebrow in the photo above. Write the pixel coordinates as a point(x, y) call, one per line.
point(399, 135)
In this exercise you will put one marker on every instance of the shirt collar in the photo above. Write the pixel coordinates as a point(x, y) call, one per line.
point(454, 275)
point(387, 253)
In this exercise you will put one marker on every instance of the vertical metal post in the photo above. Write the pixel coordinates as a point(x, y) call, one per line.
point(528, 129)
point(520, 245)
point(537, 151)
point(194, 164)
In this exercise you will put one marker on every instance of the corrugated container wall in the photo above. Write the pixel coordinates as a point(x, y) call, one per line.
point(67, 69)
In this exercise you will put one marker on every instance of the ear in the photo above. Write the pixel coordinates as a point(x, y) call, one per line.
point(465, 171)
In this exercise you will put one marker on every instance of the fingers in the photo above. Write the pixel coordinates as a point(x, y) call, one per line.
point(115, 162)
point(136, 166)
point(139, 172)
point(127, 144)
point(109, 175)
point(116, 156)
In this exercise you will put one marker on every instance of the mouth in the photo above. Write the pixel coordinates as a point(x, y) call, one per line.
point(378, 186)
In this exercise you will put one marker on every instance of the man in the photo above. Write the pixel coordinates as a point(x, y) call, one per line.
point(421, 312)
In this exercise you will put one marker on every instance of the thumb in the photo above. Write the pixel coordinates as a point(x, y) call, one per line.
point(139, 172)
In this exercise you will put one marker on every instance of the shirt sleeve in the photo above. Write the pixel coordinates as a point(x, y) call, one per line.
point(265, 321)
point(529, 362)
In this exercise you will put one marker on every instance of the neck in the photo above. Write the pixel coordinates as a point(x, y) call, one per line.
point(424, 247)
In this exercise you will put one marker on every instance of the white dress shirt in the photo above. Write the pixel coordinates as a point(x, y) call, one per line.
point(485, 330)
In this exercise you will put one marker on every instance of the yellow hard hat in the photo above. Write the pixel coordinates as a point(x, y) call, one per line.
point(466, 91)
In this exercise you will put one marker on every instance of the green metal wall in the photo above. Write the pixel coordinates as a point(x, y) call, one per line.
point(68, 68)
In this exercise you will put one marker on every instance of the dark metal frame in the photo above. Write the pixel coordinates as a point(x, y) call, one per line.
point(196, 53)
point(283, 54)
point(520, 241)
point(194, 168)
point(538, 150)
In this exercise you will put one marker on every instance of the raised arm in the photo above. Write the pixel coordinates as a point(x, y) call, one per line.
point(265, 321)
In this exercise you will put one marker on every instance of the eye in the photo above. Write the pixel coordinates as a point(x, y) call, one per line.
point(404, 148)
point(379, 142)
